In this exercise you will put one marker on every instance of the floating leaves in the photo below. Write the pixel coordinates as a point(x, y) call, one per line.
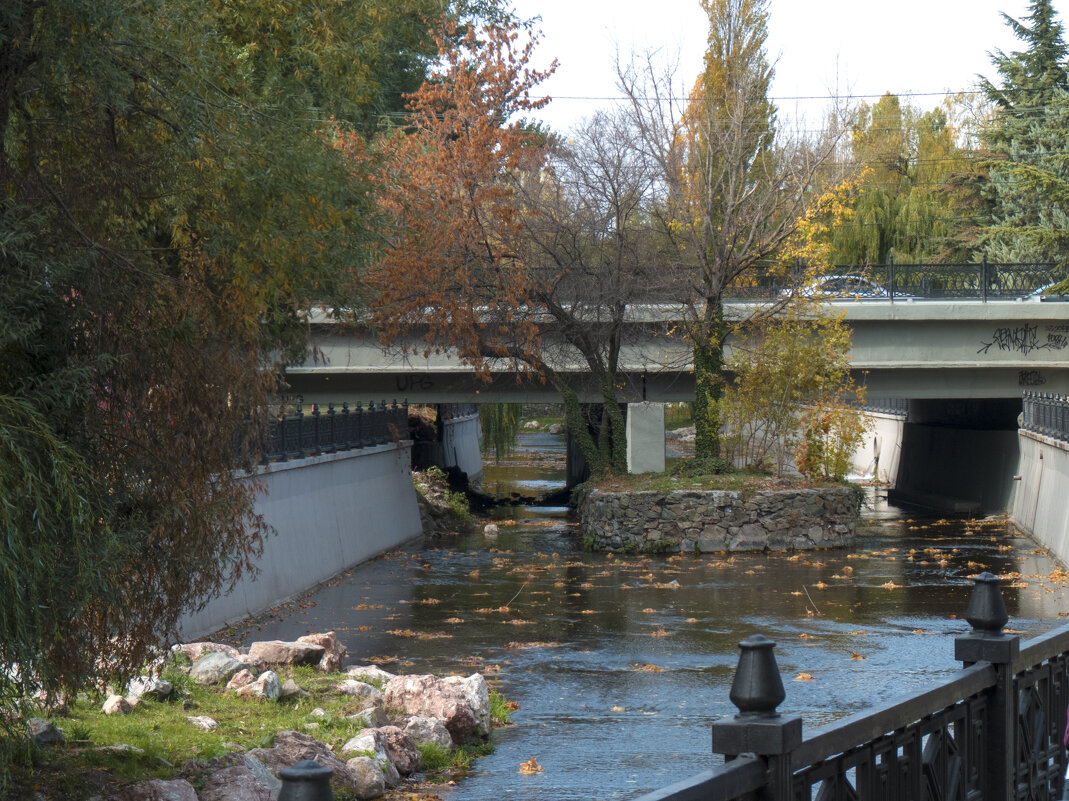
point(804, 677)
point(659, 633)
point(890, 585)
point(525, 645)
point(649, 669)
point(531, 766)
point(454, 620)
point(420, 635)
point(857, 657)
point(503, 610)
point(365, 607)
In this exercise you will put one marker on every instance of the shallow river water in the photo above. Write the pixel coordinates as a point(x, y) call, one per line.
point(620, 664)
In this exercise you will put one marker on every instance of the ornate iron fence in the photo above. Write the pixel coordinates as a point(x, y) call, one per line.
point(294, 436)
point(981, 280)
point(895, 406)
point(1046, 414)
point(993, 731)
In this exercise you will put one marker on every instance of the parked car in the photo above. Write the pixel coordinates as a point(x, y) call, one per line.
point(845, 286)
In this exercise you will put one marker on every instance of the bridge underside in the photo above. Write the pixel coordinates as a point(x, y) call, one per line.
point(664, 386)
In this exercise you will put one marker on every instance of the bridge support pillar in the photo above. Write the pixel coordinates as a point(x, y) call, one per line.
point(645, 437)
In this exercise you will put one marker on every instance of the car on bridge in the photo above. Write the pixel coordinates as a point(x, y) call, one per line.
point(846, 287)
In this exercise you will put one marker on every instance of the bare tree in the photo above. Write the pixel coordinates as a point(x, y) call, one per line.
point(733, 187)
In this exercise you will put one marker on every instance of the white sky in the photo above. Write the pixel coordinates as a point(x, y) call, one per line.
point(823, 47)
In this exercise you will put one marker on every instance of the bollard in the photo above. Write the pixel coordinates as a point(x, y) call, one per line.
point(306, 781)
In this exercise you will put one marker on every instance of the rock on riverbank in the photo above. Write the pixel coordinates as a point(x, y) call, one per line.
point(373, 737)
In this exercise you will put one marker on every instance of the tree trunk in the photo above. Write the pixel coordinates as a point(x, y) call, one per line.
point(709, 380)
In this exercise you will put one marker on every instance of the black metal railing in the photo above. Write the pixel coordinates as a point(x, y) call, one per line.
point(1047, 414)
point(294, 436)
point(981, 280)
point(991, 731)
point(895, 406)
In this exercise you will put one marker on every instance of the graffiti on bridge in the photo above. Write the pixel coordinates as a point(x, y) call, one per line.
point(1025, 338)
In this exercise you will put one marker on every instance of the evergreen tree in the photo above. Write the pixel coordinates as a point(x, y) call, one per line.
point(1029, 171)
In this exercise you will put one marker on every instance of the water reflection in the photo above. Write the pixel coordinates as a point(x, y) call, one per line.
point(621, 663)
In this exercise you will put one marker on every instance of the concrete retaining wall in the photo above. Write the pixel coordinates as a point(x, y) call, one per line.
point(462, 443)
point(720, 520)
point(881, 451)
point(330, 512)
point(1038, 506)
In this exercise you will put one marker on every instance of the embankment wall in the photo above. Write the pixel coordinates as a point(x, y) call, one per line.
point(330, 512)
point(1039, 504)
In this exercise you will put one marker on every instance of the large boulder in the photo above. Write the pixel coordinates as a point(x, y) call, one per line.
point(369, 674)
point(215, 667)
point(276, 652)
point(433, 697)
point(156, 790)
point(401, 751)
point(423, 729)
point(368, 779)
point(334, 652)
point(149, 687)
point(195, 650)
point(292, 746)
point(240, 679)
point(478, 695)
point(237, 783)
point(359, 689)
point(266, 687)
point(117, 705)
point(369, 741)
point(42, 732)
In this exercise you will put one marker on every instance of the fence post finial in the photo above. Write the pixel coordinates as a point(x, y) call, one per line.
point(306, 781)
point(987, 615)
point(757, 690)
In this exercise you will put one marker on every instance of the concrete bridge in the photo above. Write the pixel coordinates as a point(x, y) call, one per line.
point(920, 349)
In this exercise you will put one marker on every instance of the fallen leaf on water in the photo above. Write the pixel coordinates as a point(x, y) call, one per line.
point(691, 620)
point(589, 612)
point(856, 657)
point(617, 709)
point(803, 636)
point(803, 677)
point(531, 766)
point(420, 635)
point(890, 585)
point(511, 706)
point(857, 633)
point(649, 669)
point(649, 611)
point(521, 645)
point(504, 610)
point(363, 607)
point(796, 592)
point(659, 633)
point(454, 620)
point(363, 628)
point(820, 585)
point(519, 622)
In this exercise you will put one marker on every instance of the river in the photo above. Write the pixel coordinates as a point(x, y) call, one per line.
point(620, 664)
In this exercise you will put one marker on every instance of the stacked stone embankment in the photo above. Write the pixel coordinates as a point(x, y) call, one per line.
point(720, 520)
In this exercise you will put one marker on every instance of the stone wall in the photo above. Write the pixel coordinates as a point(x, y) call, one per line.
point(720, 520)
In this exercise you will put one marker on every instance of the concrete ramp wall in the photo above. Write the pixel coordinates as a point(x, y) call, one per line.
point(462, 442)
point(881, 450)
point(1040, 502)
point(330, 512)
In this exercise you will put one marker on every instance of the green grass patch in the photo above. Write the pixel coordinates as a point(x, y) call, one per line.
point(710, 474)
